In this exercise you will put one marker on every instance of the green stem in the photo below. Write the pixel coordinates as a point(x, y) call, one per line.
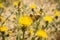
point(46, 26)
point(3, 36)
point(18, 36)
point(40, 38)
point(17, 17)
point(37, 25)
point(23, 35)
point(23, 30)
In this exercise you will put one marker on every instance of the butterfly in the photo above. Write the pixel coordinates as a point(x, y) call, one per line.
point(34, 17)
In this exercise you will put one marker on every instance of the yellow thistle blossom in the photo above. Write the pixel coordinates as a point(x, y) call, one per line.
point(32, 6)
point(48, 18)
point(15, 3)
point(41, 33)
point(1, 5)
point(25, 20)
point(1, 19)
point(56, 13)
point(3, 28)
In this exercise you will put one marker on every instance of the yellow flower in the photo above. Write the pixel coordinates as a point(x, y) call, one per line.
point(32, 6)
point(56, 13)
point(48, 18)
point(25, 20)
point(1, 19)
point(15, 3)
point(1, 5)
point(41, 33)
point(3, 28)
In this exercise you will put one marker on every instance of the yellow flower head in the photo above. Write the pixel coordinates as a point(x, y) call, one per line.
point(41, 33)
point(32, 6)
point(3, 28)
point(48, 18)
point(1, 5)
point(15, 3)
point(25, 20)
point(56, 13)
point(1, 19)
